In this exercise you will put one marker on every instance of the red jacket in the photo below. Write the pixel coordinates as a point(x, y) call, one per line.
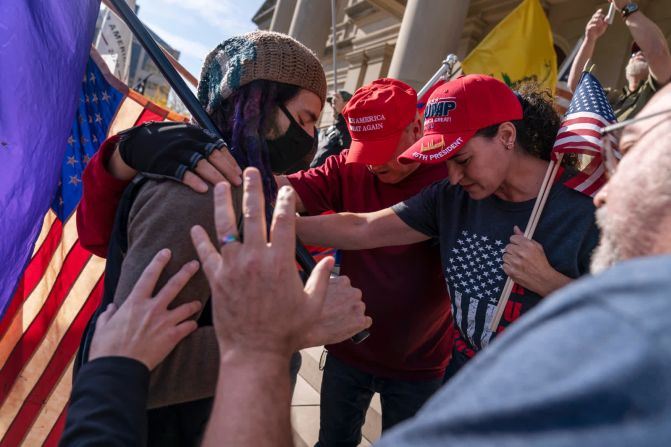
point(100, 199)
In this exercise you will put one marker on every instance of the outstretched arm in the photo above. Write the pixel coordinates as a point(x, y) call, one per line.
point(282, 180)
point(652, 42)
point(101, 194)
point(166, 149)
point(352, 231)
point(595, 28)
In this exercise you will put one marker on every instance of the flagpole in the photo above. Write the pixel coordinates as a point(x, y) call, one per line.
point(303, 257)
point(544, 193)
point(162, 63)
point(539, 205)
point(361, 336)
point(611, 14)
point(446, 67)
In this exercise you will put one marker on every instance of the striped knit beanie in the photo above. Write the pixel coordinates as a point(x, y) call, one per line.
point(258, 55)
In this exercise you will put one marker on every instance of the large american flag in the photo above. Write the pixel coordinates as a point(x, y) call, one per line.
point(62, 284)
point(580, 133)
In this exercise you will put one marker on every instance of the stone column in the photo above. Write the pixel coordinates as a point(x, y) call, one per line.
point(311, 24)
point(429, 31)
point(282, 15)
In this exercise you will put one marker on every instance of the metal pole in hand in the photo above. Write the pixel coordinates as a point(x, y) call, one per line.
point(305, 259)
point(302, 252)
point(611, 14)
point(445, 68)
point(164, 66)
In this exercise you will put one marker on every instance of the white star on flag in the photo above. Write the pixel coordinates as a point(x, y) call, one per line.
point(470, 275)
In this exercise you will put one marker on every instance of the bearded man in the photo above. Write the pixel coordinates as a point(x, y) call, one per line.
point(649, 66)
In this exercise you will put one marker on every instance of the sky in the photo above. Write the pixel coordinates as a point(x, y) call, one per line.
point(194, 27)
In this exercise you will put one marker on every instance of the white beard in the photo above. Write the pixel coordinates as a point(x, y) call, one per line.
point(607, 253)
point(637, 69)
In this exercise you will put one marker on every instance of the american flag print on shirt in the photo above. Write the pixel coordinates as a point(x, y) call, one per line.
point(580, 132)
point(475, 278)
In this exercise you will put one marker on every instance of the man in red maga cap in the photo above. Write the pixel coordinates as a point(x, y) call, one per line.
point(496, 145)
point(649, 65)
point(411, 339)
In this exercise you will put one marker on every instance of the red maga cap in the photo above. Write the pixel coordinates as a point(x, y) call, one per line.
point(456, 111)
point(376, 116)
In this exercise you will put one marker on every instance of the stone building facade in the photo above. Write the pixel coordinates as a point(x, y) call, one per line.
point(408, 39)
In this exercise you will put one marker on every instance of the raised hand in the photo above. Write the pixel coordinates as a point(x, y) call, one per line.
point(259, 302)
point(179, 151)
point(341, 318)
point(143, 328)
point(596, 26)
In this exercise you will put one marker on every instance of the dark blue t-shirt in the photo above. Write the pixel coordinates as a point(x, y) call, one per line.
point(472, 236)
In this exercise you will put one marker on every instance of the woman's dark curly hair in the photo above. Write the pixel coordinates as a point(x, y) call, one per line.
point(245, 118)
point(537, 130)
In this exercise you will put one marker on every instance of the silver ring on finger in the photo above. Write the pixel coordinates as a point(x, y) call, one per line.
point(229, 239)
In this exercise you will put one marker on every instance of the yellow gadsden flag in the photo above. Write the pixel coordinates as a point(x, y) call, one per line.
point(518, 49)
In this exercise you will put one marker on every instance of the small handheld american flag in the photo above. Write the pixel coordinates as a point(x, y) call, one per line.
point(580, 133)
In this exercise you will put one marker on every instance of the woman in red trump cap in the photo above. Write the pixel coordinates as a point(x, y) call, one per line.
point(496, 144)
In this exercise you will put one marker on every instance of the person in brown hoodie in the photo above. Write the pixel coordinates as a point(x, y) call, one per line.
point(265, 92)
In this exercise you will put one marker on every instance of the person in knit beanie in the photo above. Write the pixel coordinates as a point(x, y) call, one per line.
point(241, 84)
point(258, 55)
point(265, 92)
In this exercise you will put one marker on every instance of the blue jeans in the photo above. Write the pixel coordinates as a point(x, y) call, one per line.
point(346, 394)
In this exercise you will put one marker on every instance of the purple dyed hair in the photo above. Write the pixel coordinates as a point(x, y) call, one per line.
point(244, 119)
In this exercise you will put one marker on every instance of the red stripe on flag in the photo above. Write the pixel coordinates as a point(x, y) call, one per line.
point(148, 115)
point(592, 189)
point(564, 94)
point(32, 337)
point(33, 273)
point(574, 182)
point(590, 179)
point(582, 147)
point(585, 120)
point(52, 373)
point(57, 430)
point(595, 187)
point(579, 131)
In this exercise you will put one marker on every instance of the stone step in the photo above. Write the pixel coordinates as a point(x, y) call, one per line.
point(305, 404)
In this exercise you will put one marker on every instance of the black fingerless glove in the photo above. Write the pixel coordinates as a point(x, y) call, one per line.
point(166, 149)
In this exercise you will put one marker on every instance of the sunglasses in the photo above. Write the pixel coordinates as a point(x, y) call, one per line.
point(610, 139)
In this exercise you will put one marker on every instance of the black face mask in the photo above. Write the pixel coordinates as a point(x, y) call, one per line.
point(290, 148)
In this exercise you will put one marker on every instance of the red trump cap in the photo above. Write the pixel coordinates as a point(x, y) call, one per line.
point(376, 116)
point(456, 111)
